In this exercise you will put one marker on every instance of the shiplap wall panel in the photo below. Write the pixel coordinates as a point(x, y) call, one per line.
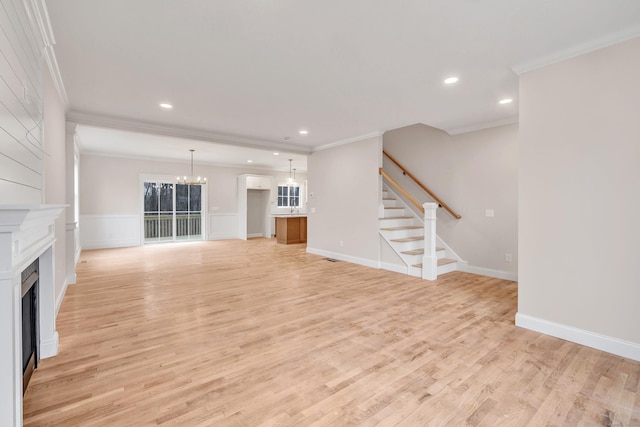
point(21, 146)
point(20, 194)
point(14, 22)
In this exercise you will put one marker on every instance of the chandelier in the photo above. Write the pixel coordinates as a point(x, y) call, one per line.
point(192, 179)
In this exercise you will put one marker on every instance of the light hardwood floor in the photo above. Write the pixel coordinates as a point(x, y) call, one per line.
point(253, 333)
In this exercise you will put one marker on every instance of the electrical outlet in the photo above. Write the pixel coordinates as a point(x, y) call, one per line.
point(508, 257)
point(341, 242)
point(489, 213)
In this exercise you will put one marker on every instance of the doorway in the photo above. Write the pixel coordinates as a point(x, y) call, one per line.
point(172, 212)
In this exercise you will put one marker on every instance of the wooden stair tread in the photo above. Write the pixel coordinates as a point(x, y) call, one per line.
point(442, 261)
point(408, 239)
point(406, 227)
point(396, 217)
point(419, 251)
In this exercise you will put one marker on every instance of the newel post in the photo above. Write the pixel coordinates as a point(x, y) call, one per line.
point(430, 259)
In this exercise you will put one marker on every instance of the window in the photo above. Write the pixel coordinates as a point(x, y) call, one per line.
point(288, 196)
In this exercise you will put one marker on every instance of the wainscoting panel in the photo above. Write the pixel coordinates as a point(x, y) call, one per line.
point(109, 231)
point(223, 226)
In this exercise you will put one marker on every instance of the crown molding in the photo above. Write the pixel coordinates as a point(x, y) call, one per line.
point(245, 166)
point(41, 25)
point(483, 125)
point(198, 135)
point(348, 141)
point(578, 50)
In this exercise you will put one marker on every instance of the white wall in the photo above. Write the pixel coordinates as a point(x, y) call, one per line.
point(471, 173)
point(344, 181)
point(579, 185)
point(257, 209)
point(110, 197)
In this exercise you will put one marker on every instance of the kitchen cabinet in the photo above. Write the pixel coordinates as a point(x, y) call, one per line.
point(291, 229)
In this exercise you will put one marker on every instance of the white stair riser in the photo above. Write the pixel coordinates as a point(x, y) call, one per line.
point(417, 259)
point(389, 203)
point(407, 246)
point(399, 234)
point(394, 212)
point(411, 259)
point(397, 222)
point(447, 268)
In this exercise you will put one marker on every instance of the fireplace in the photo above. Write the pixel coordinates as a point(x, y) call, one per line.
point(30, 336)
point(27, 238)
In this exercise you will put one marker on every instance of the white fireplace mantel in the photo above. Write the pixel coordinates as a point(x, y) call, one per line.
point(27, 233)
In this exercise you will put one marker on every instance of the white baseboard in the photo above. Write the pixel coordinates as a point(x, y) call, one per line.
point(498, 274)
point(394, 267)
point(223, 236)
point(254, 235)
point(98, 244)
point(343, 257)
point(606, 343)
point(49, 348)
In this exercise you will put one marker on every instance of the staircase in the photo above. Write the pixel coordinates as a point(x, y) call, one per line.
point(404, 232)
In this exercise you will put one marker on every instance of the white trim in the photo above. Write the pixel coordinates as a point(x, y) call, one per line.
point(581, 49)
point(403, 269)
point(343, 257)
point(254, 235)
point(45, 31)
point(60, 297)
point(498, 274)
point(154, 129)
point(484, 125)
point(348, 141)
point(49, 347)
point(606, 343)
point(56, 77)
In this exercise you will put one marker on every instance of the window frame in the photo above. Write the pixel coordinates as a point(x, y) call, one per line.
point(280, 197)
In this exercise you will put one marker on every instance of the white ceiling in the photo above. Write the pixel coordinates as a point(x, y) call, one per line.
point(254, 72)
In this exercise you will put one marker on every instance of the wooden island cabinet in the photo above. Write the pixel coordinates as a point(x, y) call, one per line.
point(291, 229)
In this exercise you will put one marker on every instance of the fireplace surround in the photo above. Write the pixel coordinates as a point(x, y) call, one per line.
point(27, 233)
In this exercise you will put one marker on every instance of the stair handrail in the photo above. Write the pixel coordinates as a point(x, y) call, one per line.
point(400, 189)
point(421, 185)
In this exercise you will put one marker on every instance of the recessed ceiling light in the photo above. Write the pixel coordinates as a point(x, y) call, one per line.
point(166, 106)
point(450, 80)
point(505, 101)
point(249, 161)
point(276, 154)
point(304, 132)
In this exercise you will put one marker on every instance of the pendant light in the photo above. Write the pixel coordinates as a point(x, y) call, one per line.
point(192, 179)
point(292, 178)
